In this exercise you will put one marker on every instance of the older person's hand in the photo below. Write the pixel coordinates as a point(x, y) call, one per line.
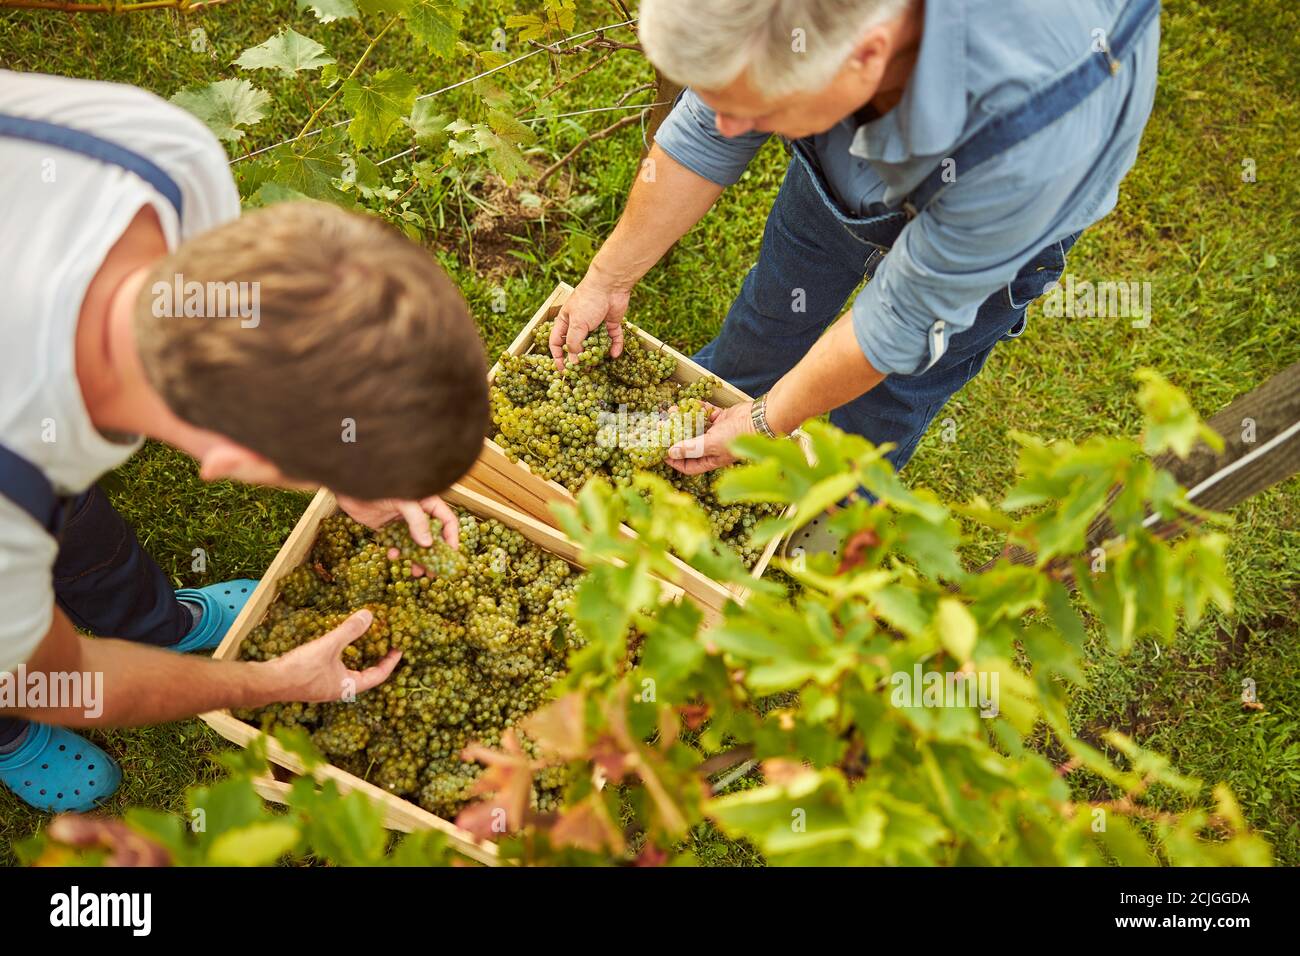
point(712, 449)
point(594, 302)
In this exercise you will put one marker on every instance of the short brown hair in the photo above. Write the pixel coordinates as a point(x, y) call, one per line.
point(343, 321)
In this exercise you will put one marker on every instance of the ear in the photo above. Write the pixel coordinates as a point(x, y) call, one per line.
point(865, 67)
point(226, 459)
point(871, 52)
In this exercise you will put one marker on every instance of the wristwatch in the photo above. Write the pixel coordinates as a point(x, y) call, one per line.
point(758, 415)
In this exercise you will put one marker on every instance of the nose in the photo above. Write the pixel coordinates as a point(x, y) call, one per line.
point(731, 126)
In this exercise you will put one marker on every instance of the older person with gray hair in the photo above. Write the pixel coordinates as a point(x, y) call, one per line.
point(951, 151)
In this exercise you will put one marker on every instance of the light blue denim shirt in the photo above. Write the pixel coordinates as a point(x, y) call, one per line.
point(978, 58)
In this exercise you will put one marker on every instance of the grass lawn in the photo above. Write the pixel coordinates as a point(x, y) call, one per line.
point(1221, 255)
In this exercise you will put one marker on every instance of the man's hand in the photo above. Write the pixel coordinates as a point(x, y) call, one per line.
point(593, 302)
point(711, 450)
point(314, 672)
point(376, 514)
point(149, 685)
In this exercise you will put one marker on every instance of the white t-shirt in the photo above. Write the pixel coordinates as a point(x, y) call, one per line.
point(60, 213)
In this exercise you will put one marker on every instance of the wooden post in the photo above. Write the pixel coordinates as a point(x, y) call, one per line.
point(1261, 447)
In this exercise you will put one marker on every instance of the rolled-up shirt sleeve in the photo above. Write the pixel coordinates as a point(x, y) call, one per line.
point(690, 135)
point(965, 246)
point(27, 556)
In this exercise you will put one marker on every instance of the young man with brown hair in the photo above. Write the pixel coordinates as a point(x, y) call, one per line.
point(296, 346)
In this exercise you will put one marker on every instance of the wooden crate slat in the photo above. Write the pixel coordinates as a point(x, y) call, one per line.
point(399, 814)
point(516, 484)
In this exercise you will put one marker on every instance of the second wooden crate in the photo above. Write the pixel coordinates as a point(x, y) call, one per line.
point(495, 475)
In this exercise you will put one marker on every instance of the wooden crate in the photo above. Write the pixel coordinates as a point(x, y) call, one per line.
point(399, 814)
point(496, 476)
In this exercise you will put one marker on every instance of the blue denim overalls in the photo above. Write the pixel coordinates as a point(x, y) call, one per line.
point(809, 243)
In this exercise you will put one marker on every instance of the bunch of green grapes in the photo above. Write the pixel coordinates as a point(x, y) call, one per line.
point(408, 559)
point(483, 634)
point(525, 378)
point(445, 786)
point(554, 577)
point(363, 577)
point(648, 398)
point(469, 533)
point(641, 366)
point(702, 389)
point(560, 444)
point(689, 418)
point(289, 715)
point(398, 753)
point(303, 587)
point(342, 732)
point(372, 646)
point(280, 633)
point(339, 537)
point(612, 417)
point(595, 348)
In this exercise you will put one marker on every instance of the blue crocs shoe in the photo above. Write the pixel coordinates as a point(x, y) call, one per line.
point(57, 771)
point(221, 604)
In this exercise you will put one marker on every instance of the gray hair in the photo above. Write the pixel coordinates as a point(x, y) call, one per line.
point(787, 45)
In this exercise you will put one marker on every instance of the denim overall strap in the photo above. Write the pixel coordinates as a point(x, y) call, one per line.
point(879, 231)
point(21, 481)
point(95, 147)
point(26, 486)
point(1044, 107)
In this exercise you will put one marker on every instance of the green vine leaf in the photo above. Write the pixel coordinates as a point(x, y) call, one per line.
point(957, 629)
point(378, 103)
point(311, 168)
point(390, 7)
point(429, 125)
point(1172, 423)
point(327, 11)
point(529, 25)
point(288, 51)
point(509, 128)
point(225, 805)
point(503, 156)
point(273, 192)
point(258, 844)
point(225, 106)
point(436, 25)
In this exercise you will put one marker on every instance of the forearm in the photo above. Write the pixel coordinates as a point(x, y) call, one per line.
point(666, 200)
point(833, 373)
point(148, 685)
point(123, 684)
